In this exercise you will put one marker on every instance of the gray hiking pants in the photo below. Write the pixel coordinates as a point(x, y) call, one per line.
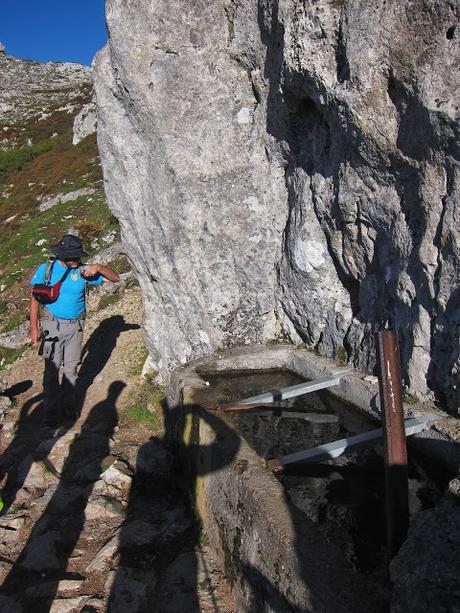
point(62, 348)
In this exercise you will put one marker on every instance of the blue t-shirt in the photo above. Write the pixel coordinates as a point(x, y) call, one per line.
point(71, 301)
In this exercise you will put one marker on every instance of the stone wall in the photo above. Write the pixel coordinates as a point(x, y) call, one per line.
point(289, 168)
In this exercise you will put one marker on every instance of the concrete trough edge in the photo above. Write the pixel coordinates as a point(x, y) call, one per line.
point(241, 504)
point(439, 441)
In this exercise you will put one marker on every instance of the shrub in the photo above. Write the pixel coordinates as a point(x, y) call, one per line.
point(89, 229)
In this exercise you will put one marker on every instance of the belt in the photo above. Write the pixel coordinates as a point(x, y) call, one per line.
point(49, 316)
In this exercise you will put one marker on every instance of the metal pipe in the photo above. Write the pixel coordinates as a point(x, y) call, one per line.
point(330, 451)
point(294, 390)
point(396, 476)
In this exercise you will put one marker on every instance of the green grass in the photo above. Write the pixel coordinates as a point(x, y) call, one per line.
point(38, 165)
point(47, 167)
point(280, 339)
point(14, 321)
point(19, 506)
point(410, 399)
point(147, 404)
point(136, 369)
point(47, 470)
point(20, 253)
point(13, 161)
point(107, 300)
point(8, 356)
point(139, 413)
point(341, 355)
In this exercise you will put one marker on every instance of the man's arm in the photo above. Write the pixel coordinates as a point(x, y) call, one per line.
point(93, 269)
point(33, 318)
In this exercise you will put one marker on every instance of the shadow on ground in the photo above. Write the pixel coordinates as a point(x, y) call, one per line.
point(43, 562)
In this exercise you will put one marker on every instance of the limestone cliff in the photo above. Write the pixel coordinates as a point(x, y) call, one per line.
point(288, 167)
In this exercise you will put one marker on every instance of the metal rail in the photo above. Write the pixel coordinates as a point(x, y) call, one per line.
point(293, 391)
point(335, 449)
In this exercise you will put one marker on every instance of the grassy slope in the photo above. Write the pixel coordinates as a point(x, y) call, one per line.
point(41, 163)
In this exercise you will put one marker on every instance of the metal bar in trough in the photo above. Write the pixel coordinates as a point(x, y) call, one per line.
point(293, 391)
point(258, 408)
point(333, 450)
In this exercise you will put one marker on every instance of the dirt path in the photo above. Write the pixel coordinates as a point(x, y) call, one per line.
point(94, 519)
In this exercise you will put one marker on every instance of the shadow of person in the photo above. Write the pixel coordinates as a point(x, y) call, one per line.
point(96, 353)
point(164, 493)
point(17, 458)
point(44, 558)
point(17, 389)
point(30, 430)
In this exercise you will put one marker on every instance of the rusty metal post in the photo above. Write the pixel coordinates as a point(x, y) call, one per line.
point(396, 476)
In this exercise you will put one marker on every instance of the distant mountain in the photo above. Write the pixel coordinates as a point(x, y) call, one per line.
point(28, 88)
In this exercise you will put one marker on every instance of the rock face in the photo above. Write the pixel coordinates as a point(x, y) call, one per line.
point(84, 123)
point(288, 168)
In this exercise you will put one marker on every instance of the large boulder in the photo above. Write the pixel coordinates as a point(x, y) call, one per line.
point(289, 168)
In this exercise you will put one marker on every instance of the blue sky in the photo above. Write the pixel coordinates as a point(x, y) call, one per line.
point(53, 30)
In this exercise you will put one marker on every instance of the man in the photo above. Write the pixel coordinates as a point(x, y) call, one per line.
point(62, 323)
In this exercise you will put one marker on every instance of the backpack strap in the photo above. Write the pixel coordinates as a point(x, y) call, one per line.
point(64, 276)
point(49, 270)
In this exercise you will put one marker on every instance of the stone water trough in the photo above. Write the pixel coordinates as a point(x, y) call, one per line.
point(311, 538)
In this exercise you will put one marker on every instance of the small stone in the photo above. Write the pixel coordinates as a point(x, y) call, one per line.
point(244, 116)
point(113, 483)
point(99, 509)
point(370, 379)
point(105, 557)
point(67, 605)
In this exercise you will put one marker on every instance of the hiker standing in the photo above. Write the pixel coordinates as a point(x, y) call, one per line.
point(62, 321)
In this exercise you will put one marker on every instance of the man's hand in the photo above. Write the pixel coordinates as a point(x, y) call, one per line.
point(90, 271)
point(34, 335)
point(93, 269)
